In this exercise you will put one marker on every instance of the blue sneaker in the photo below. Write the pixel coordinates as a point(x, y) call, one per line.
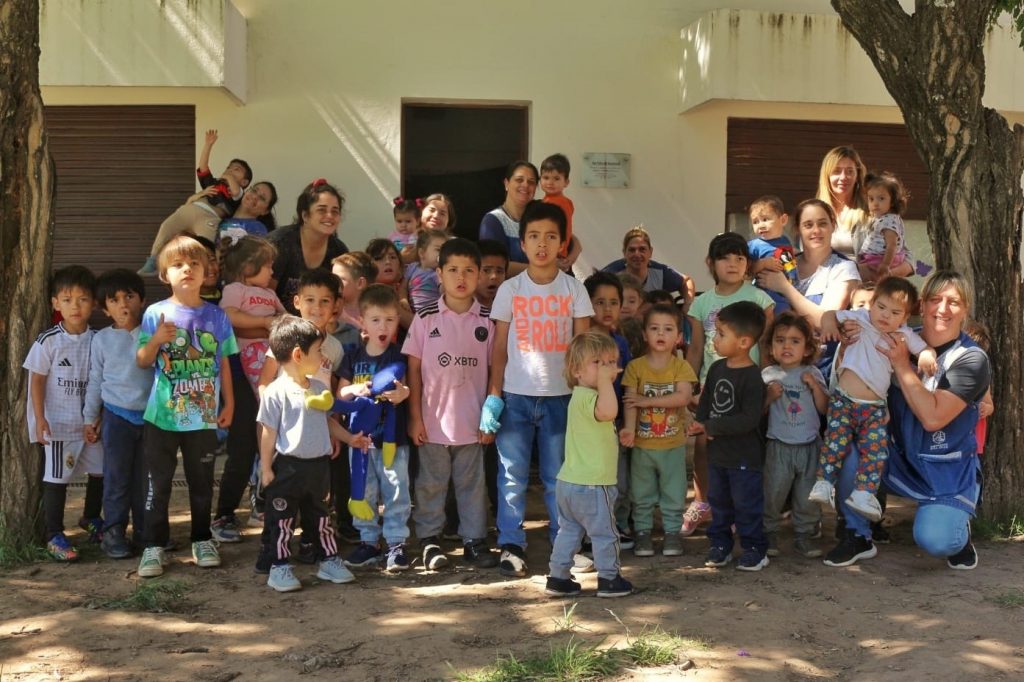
point(718, 557)
point(397, 560)
point(752, 560)
point(60, 549)
point(334, 570)
point(225, 529)
point(94, 527)
point(363, 555)
point(282, 579)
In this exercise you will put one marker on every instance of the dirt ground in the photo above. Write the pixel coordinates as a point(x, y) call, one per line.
point(900, 616)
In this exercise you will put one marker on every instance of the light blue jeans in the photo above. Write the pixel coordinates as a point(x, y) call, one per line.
point(585, 510)
point(940, 530)
point(525, 421)
point(390, 486)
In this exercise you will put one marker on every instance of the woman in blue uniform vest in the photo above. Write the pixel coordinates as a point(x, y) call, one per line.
point(933, 456)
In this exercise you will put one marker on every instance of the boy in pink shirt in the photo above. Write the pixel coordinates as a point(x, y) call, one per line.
point(448, 348)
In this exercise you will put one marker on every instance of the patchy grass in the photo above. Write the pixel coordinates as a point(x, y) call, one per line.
point(1013, 598)
point(986, 529)
point(568, 623)
point(152, 596)
point(576, 660)
point(16, 550)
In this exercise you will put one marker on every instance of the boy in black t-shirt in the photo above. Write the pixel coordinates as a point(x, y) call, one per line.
point(731, 404)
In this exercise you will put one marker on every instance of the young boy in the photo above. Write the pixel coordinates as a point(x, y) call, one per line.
point(119, 390)
point(536, 314)
point(586, 487)
point(211, 290)
point(857, 411)
point(493, 267)
point(658, 388)
point(554, 178)
point(203, 211)
point(605, 291)
point(187, 342)
point(58, 366)
point(378, 307)
point(295, 451)
point(771, 249)
point(356, 270)
point(729, 414)
point(448, 348)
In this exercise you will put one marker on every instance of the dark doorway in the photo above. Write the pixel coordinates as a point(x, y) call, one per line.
point(462, 151)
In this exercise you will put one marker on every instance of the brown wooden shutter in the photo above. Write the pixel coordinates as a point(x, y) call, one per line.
point(120, 171)
point(769, 156)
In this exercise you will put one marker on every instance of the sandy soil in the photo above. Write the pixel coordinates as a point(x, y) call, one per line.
point(901, 616)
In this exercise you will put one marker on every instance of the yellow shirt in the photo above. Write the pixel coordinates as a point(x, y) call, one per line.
point(659, 428)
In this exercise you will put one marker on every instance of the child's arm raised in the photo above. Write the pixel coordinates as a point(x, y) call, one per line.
point(164, 333)
point(204, 155)
point(606, 408)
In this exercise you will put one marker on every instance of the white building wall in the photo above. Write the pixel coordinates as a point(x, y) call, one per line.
point(325, 82)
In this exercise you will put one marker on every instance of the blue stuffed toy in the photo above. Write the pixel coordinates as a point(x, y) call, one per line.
point(373, 416)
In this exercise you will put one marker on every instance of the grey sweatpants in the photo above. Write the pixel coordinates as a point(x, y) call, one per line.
point(585, 510)
point(789, 473)
point(464, 466)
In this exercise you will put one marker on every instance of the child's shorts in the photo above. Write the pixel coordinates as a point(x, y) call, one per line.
point(65, 459)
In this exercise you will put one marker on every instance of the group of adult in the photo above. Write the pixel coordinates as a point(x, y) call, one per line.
point(933, 454)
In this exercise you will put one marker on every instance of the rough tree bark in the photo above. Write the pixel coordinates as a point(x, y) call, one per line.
point(933, 65)
point(26, 231)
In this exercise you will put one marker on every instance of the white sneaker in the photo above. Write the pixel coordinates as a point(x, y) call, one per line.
point(582, 564)
point(865, 504)
point(334, 570)
point(824, 493)
point(152, 563)
point(282, 579)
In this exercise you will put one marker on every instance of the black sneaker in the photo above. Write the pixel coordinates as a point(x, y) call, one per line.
point(478, 554)
point(964, 560)
point(625, 539)
point(363, 555)
point(397, 559)
point(309, 553)
point(433, 557)
point(513, 561)
point(562, 587)
point(616, 587)
point(751, 560)
point(263, 560)
point(114, 544)
point(880, 534)
point(347, 533)
point(718, 557)
point(851, 549)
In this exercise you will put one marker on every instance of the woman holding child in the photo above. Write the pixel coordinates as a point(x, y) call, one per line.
point(502, 224)
point(841, 186)
point(310, 243)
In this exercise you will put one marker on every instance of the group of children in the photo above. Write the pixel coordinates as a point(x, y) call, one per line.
point(455, 364)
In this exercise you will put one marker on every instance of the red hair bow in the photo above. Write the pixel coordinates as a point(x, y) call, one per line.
point(319, 182)
point(419, 202)
point(398, 201)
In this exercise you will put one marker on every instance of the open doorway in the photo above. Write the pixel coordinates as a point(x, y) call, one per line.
point(462, 150)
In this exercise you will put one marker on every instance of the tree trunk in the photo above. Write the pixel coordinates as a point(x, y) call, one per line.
point(933, 66)
point(26, 232)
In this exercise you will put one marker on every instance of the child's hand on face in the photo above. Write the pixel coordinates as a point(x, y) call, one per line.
point(927, 362)
point(627, 437)
point(165, 331)
point(607, 373)
point(773, 391)
point(211, 137)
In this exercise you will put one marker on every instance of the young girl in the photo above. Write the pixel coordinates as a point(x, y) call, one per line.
point(438, 213)
point(421, 280)
point(249, 302)
point(795, 397)
point(407, 222)
point(728, 260)
point(389, 272)
point(633, 297)
point(884, 247)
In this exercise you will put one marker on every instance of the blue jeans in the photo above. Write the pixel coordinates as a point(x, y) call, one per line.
point(392, 487)
point(125, 478)
point(941, 530)
point(585, 510)
point(736, 497)
point(528, 419)
point(844, 486)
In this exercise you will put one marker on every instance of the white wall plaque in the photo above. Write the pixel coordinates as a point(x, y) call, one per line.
point(606, 169)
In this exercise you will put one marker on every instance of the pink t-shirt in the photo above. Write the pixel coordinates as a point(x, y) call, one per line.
point(454, 351)
point(252, 300)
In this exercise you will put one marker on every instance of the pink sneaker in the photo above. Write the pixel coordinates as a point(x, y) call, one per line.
point(696, 514)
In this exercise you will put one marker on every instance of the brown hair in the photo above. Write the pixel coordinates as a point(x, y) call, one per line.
point(182, 246)
point(247, 257)
point(787, 319)
point(891, 184)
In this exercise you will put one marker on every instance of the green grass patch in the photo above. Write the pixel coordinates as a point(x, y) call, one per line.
point(576, 660)
point(18, 549)
point(151, 596)
point(986, 529)
point(1010, 599)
